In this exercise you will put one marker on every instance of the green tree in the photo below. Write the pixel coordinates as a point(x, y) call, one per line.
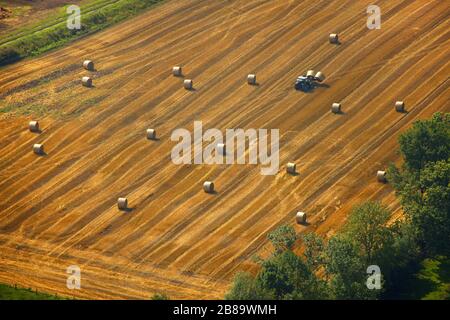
point(245, 287)
point(347, 270)
point(432, 220)
point(314, 250)
point(426, 202)
point(427, 141)
point(422, 183)
point(365, 240)
point(283, 238)
point(286, 276)
point(367, 228)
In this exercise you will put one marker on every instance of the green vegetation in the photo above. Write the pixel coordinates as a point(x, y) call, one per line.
point(423, 183)
point(53, 32)
point(283, 276)
point(25, 109)
point(428, 141)
point(160, 296)
point(428, 280)
point(14, 293)
point(282, 238)
point(412, 253)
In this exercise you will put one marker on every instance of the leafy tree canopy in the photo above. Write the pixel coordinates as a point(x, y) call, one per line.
point(427, 141)
point(283, 238)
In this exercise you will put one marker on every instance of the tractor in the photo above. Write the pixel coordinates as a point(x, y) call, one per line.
point(309, 81)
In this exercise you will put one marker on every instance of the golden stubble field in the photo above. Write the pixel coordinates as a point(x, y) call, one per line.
point(60, 209)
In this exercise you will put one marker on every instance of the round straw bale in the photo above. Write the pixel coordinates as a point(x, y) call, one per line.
point(334, 38)
point(381, 176)
point(38, 148)
point(208, 186)
point(310, 73)
point(320, 76)
point(300, 217)
point(151, 134)
point(291, 168)
point(188, 84)
point(221, 149)
point(33, 126)
point(88, 65)
point(400, 106)
point(176, 71)
point(251, 79)
point(336, 107)
point(86, 81)
point(122, 203)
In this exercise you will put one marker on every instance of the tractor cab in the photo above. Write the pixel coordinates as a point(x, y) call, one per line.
point(303, 83)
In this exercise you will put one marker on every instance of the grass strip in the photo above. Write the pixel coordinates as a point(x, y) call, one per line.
point(14, 293)
point(55, 34)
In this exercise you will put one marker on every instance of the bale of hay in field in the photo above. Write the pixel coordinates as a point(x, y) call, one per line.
point(381, 176)
point(208, 186)
point(300, 217)
point(122, 203)
point(400, 106)
point(38, 148)
point(320, 76)
point(86, 81)
point(33, 126)
point(291, 168)
point(188, 84)
point(336, 107)
point(221, 149)
point(151, 134)
point(176, 71)
point(88, 65)
point(310, 73)
point(251, 79)
point(334, 38)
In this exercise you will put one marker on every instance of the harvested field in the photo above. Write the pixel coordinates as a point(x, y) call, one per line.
point(61, 209)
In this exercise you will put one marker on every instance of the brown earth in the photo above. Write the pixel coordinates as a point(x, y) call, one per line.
point(60, 209)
